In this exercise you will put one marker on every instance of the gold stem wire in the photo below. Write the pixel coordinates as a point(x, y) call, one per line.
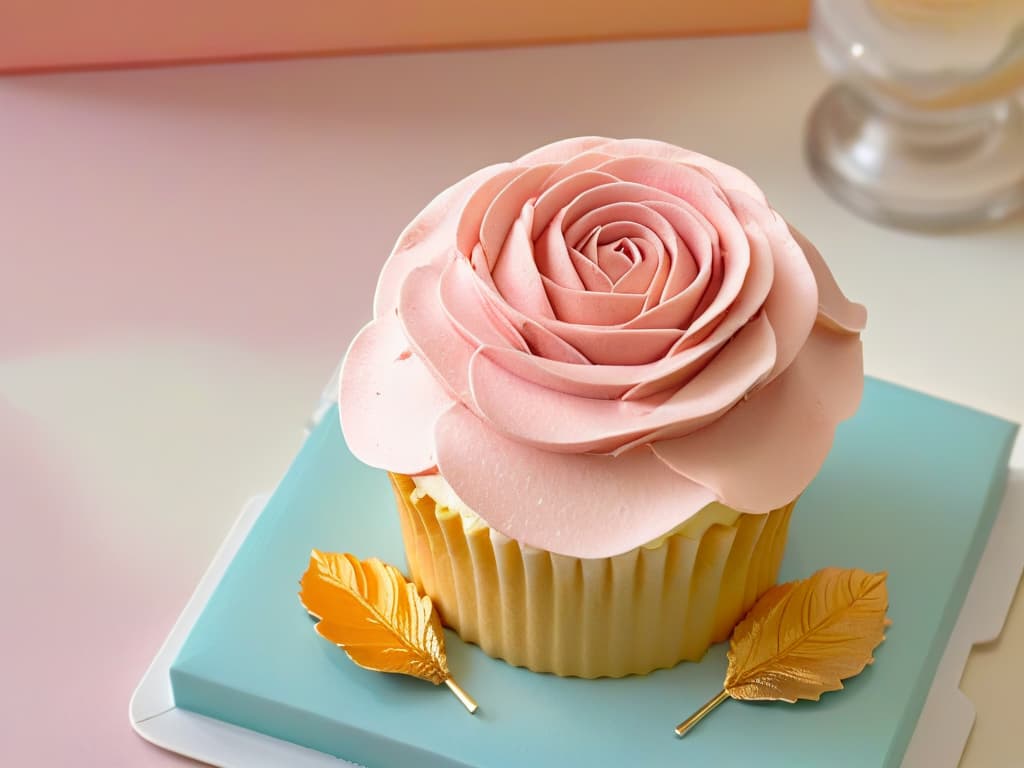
point(461, 695)
point(684, 727)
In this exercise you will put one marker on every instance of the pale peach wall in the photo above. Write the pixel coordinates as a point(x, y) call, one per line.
point(58, 34)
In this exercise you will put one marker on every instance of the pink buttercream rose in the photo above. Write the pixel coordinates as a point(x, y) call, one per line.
point(597, 340)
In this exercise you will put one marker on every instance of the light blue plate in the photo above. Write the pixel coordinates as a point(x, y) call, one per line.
point(912, 487)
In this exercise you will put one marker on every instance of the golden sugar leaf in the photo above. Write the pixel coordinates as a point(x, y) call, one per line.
point(803, 638)
point(378, 618)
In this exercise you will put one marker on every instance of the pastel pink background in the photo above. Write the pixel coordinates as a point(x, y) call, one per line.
point(185, 253)
point(63, 34)
point(168, 277)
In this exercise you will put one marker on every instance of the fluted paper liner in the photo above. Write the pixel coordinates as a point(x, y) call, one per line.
point(607, 617)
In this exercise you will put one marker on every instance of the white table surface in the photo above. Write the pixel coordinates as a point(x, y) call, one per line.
point(184, 254)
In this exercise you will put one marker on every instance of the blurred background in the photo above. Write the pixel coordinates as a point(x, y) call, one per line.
point(185, 252)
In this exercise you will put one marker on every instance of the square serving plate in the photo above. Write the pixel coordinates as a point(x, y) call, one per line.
point(912, 486)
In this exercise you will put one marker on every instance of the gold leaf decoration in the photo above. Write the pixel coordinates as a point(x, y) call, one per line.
point(804, 638)
point(369, 610)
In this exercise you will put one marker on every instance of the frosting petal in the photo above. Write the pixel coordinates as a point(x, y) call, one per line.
point(728, 176)
point(563, 150)
point(560, 194)
point(584, 261)
point(554, 260)
point(588, 161)
point(791, 303)
point(478, 203)
point(460, 292)
point(507, 206)
point(536, 415)
point(435, 340)
point(834, 308)
point(386, 391)
point(765, 451)
point(592, 308)
point(428, 238)
point(626, 382)
point(515, 273)
point(574, 504)
point(638, 278)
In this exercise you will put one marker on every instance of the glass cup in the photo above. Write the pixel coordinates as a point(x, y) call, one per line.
point(925, 125)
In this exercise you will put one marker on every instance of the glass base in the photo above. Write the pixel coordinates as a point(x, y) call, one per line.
point(915, 169)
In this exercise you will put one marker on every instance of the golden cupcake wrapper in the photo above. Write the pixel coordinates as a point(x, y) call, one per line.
point(608, 617)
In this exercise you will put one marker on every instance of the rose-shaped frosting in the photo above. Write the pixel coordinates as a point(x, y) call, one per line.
point(594, 342)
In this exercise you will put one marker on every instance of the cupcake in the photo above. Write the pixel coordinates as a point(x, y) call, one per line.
point(599, 378)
